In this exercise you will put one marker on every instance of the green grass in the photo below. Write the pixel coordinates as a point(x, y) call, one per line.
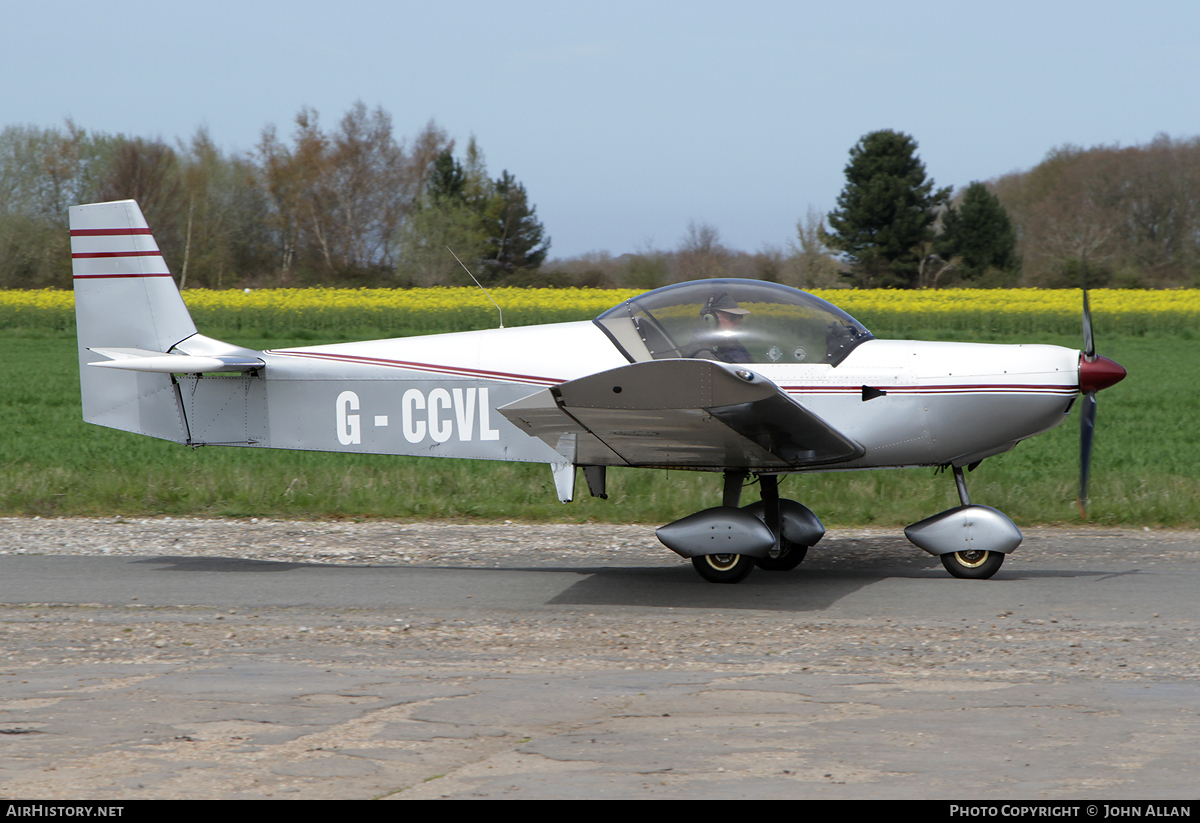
point(1146, 467)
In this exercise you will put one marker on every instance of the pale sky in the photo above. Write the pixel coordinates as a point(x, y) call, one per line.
point(625, 121)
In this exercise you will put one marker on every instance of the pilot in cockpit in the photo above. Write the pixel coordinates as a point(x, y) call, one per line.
point(720, 336)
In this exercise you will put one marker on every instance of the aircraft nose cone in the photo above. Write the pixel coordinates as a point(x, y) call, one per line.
point(1099, 374)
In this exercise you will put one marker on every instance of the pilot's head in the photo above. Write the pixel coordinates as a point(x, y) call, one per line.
point(723, 313)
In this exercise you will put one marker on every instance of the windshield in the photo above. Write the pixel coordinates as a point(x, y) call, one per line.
point(735, 321)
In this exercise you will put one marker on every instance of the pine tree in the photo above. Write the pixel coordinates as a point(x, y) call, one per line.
point(447, 180)
point(488, 223)
point(514, 232)
point(978, 233)
point(886, 211)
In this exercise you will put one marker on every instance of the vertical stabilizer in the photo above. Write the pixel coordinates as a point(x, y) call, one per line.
point(125, 298)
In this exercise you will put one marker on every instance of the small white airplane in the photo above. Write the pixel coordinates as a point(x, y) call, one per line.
point(740, 377)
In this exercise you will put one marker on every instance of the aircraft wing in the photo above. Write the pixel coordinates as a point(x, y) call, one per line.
point(679, 413)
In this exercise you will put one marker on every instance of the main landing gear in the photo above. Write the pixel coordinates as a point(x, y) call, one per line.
point(971, 541)
point(726, 543)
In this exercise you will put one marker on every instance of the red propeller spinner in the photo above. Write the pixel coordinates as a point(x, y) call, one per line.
point(1099, 373)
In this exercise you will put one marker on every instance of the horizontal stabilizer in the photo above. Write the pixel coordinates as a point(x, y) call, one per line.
point(154, 362)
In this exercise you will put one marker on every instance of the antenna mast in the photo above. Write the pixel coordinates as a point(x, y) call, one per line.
point(477, 283)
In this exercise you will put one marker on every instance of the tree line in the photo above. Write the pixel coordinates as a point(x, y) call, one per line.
point(350, 206)
point(353, 205)
point(1124, 217)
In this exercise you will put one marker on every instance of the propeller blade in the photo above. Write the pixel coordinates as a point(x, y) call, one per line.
point(1089, 340)
point(1087, 428)
point(1095, 373)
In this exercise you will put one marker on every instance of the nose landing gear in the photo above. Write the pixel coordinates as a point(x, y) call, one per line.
point(971, 541)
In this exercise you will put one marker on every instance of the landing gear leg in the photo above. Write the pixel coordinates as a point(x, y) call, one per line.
point(769, 483)
point(732, 495)
point(786, 555)
point(961, 483)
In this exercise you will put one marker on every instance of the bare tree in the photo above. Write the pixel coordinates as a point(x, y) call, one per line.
point(42, 173)
point(226, 238)
point(1133, 213)
point(701, 254)
point(1073, 222)
point(148, 171)
point(45, 171)
point(363, 184)
point(812, 260)
point(340, 199)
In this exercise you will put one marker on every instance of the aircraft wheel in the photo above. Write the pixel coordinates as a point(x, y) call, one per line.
point(790, 556)
point(973, 565)
point(724, 568)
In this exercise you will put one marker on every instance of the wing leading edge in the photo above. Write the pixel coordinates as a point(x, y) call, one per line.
point(679, 413)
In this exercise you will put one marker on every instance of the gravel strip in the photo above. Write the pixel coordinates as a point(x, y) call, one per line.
point(499, 544)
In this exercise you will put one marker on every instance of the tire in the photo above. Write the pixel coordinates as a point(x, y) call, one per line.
point(973, 565)
point(724, 568)
point(790, 556)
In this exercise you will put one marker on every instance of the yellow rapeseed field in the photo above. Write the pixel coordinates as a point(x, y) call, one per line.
point(414, 311)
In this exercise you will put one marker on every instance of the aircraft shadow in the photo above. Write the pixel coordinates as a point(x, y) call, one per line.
point(811, 587)
point(227, 564)
point(681, 588)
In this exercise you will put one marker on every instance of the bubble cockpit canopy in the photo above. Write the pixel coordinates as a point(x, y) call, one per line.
point(735, 321)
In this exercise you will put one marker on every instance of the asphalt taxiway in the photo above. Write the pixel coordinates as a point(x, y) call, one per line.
point(865, 673)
